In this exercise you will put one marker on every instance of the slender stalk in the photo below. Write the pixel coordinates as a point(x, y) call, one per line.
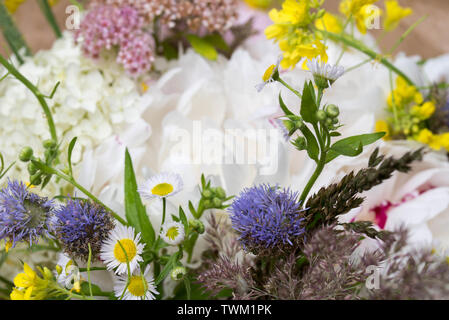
point(48, 13)
point(289, 87)
point(93, 269)
point(353, 43)
point(89, 260)
point(83, 190)
point(405, 34)
point(39, 96)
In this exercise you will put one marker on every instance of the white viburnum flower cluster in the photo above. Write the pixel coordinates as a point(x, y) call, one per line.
point(95, 101)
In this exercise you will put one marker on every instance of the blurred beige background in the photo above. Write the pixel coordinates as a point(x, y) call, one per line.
point(430, 39)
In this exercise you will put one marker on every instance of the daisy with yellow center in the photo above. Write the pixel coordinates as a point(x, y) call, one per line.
point(123, 246)
point(173, 233)
point(161, 186)
point(269, 75)
point(140, 287)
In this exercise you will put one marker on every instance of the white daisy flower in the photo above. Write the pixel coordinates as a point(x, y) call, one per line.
point(173, 233)
point(161, 185)
point(324, 74)
point(140, 287)
point(269, 74)
point(112, 253)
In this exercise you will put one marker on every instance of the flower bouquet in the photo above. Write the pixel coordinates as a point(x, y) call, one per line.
point(221, 149)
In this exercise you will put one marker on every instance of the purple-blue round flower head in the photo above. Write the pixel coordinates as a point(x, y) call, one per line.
point(80, 223)
point(267, 217)
point(24, 216)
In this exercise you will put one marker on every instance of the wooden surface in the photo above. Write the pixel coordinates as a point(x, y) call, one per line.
point(430, 39)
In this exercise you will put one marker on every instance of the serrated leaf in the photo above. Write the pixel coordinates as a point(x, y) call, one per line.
point(308, 103)
point(203, 47)
point(136, 214)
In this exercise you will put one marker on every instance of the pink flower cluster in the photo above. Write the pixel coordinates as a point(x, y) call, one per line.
point(107, 27)
point(211, 15)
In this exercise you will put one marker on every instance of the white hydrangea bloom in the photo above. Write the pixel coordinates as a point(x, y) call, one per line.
point(95, 101)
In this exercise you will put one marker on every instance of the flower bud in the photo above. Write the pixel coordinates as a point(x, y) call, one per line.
point(26, 154)
point(208, 204)
point(329, 122)
point(207, 194)
point(178, 273)
point(332, 111)
point(217, 202)
point(36, 179)
point(321, 115)
point(48, 144)
point(32, 169)
point(300, 143)
point(197, 225)
point(221, 193)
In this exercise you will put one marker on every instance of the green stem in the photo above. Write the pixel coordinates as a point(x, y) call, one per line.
point(405, 34)
point(46, 10)
point(93, 269)
point(89, 260)
point(313, 178)
point(39, 96)
point(289, 87)
point(353, 43)
point(83, 190)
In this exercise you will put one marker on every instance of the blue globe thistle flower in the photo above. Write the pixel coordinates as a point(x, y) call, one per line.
point(24, 216)
point(267, 217)
point(79, 223)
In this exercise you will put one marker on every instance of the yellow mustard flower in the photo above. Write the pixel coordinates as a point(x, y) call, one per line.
point(434, 141)
point(382, 126)
point(394, 14)
point(330, 23)
point(29, 286)
point(361, 10)
point(404, 94)
point(13, 5)
point(292, 30)
point(424, 111)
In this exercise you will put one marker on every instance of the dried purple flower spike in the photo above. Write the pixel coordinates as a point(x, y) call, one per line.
point(79, 223)
point(267, 217)
point(24, 216)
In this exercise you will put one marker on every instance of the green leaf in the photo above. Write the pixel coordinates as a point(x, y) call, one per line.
point(308, 103)
point(136, 214)
point(335, 134)
point(313, 148)
point(69, 157)
point(183, 218)
point(217, 41)
point(42, 167)
point(348, 149)
point(284, 107)
point(354, 143)
point(192, 209)
point(168, 267)
point(96, 290)
point(203, 47)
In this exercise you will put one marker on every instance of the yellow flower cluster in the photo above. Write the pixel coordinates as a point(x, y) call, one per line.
point(435, 141)
point(362, 11)
point(410, 115)
point(292, 30)
point(395, 13)
point(29, 286)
